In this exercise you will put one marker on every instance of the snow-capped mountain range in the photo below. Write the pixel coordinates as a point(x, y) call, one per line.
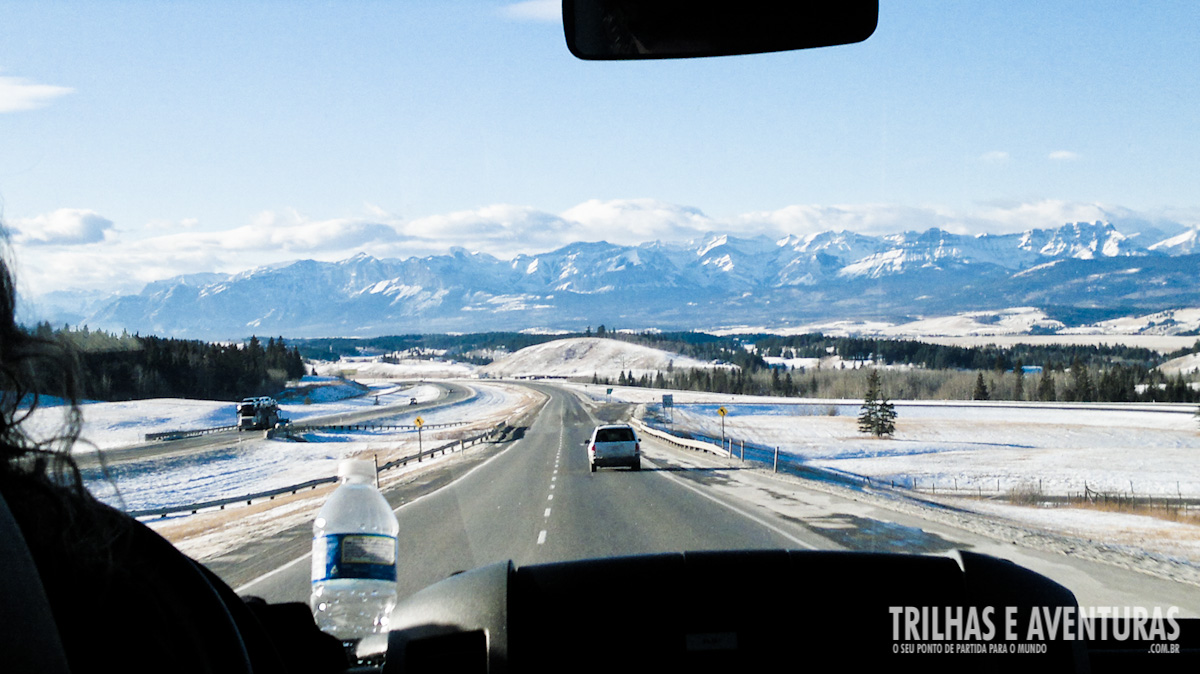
point(1090, 269)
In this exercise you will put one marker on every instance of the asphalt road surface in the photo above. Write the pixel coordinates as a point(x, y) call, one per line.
point(450, 394)
point(535, 500)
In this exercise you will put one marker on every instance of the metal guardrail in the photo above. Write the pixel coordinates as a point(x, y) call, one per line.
point(749, 451)
point(301, 428)
point(249, 499)
point(179, 435)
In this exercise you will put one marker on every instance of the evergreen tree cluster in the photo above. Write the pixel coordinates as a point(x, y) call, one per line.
point(944, 356)
point(132, 367)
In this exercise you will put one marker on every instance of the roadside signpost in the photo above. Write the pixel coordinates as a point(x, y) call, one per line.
point(722, 411)
point(668, 403)
point(419, 422)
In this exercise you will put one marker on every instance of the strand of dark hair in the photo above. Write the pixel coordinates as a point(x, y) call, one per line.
point(40, 480)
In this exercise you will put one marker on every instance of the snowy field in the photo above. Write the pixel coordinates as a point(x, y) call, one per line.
point(255, 464)
point(413, 368)
point(1164, 331)
point(980, 447)
point(121, 424)
point(975, 445)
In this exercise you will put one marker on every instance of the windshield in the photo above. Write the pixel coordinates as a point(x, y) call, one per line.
point(932, 291)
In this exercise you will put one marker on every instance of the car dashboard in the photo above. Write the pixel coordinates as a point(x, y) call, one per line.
point(746, 611)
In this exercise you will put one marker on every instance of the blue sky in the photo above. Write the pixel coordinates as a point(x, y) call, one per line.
point(140, 140)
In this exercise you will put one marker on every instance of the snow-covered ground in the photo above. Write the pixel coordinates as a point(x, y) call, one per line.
point(979, 448)
point(1170, 322)
point(973, 445)
point(1160, 343)
point(587, 356)
point(1184, 365)
point(214, 532)
point(120, 424)
point(1163, 331)
point(407, 368)
point(255, 464)
point(986, 448)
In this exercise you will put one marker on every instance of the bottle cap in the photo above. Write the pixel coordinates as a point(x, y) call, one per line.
point(363, 469)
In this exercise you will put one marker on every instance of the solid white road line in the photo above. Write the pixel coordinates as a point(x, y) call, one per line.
point(741, 511)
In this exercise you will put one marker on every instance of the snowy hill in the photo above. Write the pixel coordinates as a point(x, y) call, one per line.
point(583, 357)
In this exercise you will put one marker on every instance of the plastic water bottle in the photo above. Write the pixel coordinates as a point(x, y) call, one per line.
point(354, 556)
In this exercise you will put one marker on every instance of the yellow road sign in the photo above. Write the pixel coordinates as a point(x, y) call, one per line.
point(722, 411)
point(419, 422)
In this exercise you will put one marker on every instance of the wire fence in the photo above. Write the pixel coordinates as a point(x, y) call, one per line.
point(1015, 490)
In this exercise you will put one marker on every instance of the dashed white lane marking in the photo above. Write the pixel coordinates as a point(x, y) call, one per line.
point(542, 537)
point(547, 513)
point(307, 557)
point(550, 497)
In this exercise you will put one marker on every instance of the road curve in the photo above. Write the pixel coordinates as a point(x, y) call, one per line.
point(451, 394)
point(535, 500)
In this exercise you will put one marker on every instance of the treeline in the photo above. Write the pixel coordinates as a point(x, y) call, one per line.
point(458, 346)
point(473, 347)
point(736, 381)
point(733, 349)
point(943, 356)
point(1078, 383)
point(131, 367)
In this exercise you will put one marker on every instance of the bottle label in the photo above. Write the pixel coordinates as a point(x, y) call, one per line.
point(370, 556)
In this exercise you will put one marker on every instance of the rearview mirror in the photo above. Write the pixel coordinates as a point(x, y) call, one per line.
point(650, 29)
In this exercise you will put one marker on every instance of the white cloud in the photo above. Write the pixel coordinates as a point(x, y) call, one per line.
point(294, 232)
point(1063, 155)
point(127, 265)
point(502, 229)
point(1020, 216)
point(994, 157)
point(17, 93)
point(97, 260)
point(66, 226)
point(862, 218)
point(629, 221)
point(110, 266)
point(535, 10)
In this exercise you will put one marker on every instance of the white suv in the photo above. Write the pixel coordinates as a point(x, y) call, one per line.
point(614, 445)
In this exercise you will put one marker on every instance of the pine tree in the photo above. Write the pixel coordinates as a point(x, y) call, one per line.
point(886, 419)
point(981, 389)
point(870, 407)
point(1080, 389)
point(1019, 385)
point(1045, 389)
point(878, 415)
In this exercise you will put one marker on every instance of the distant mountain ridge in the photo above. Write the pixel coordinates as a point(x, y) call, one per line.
point(718, 280)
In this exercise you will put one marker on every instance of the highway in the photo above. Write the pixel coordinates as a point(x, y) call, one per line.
point(450, 394)
point(535, 500)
